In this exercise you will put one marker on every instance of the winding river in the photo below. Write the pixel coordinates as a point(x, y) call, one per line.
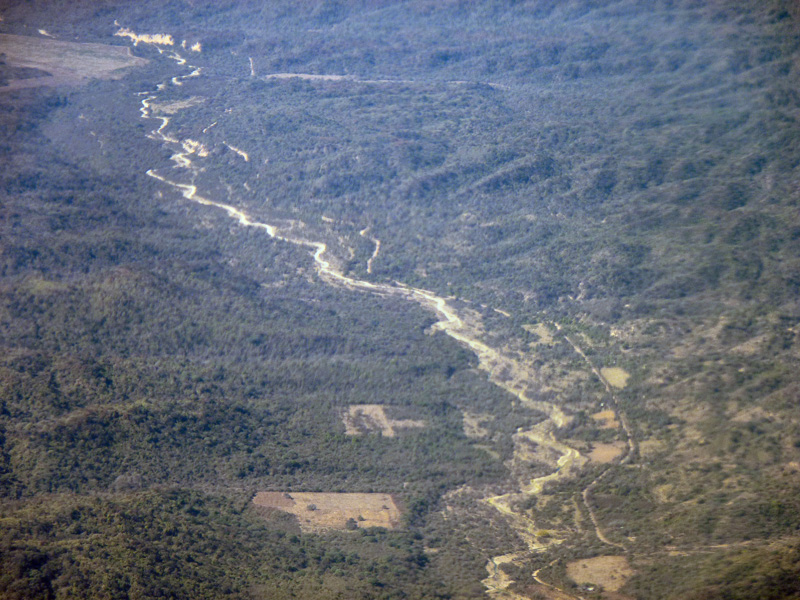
point(461, 325)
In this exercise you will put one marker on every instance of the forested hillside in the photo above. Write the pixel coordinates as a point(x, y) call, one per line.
point(559, 238)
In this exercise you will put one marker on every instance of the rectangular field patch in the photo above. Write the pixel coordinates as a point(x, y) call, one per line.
point(321, 511)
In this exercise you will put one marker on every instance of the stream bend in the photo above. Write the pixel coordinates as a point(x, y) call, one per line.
point(503, 371)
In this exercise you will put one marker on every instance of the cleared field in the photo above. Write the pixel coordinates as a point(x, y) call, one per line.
point(365, 418)
point(615, 376)
point(606, 453)
point(321, 511)
point(611, 572)
point(63, 62)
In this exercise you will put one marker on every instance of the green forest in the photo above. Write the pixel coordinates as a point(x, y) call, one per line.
point(592, 188)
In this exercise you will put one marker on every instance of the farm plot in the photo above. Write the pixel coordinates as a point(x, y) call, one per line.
point(321, 511)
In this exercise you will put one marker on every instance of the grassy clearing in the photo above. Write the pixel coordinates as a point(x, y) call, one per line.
point(615, 376)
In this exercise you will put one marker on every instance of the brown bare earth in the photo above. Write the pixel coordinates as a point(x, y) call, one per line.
point(46, 61)
point(606, 453)
point(365, 418)
point(611, 572)
point(606, 419)
point(321, 511)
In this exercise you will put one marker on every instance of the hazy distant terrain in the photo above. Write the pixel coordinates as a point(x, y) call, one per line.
point(530, 269)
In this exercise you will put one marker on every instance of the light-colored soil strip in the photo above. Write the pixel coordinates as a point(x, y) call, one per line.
point(498, 582)
point(161, 39)
point(310, 77)
point(241, 153)
point(377, 242)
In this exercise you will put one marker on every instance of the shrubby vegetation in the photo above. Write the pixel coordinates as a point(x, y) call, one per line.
point(144, 377)
point(624, 169)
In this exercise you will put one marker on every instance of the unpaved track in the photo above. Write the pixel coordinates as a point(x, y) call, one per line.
point(377, 242)
point(630, 453)
point(461, 325)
